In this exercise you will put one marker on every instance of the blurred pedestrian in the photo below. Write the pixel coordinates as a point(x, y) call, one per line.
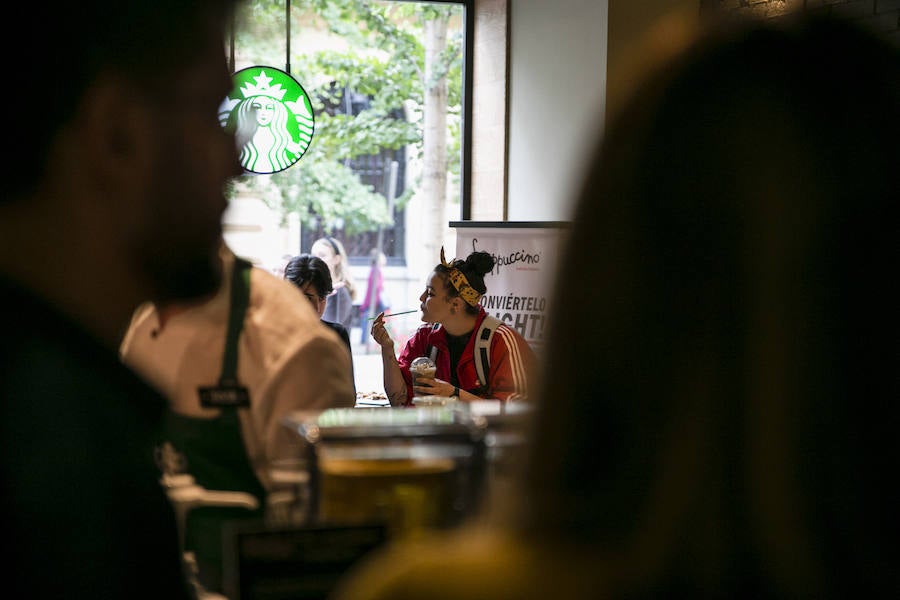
point(374, 301)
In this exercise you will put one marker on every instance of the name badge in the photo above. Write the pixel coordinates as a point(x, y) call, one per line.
point(224, 396)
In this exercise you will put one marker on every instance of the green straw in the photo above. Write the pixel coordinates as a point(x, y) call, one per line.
point(405, 312)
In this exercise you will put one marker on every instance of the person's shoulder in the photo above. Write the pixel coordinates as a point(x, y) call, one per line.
point(426, 330)
point(339, 329)
point(41, 342)
point(263, 277)
point(507, 335)
point(428, 327)
point(144, 319)
point(273, 296)
point(336, 326)
point(143, 312)
point(508, 330)
point(417, 342)
point(37, 329)
point(280, 319)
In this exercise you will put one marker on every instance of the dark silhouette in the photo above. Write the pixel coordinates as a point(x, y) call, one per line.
point(112, 195)
point(718, 417)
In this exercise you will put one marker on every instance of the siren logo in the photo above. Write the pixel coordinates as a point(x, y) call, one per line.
point(271, 117)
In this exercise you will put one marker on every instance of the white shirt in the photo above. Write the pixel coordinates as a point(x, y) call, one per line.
point(287, 360)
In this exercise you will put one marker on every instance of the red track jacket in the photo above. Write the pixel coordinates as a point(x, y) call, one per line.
point(511, 359)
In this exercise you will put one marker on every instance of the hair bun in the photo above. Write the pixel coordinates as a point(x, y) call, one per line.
point(481, 262)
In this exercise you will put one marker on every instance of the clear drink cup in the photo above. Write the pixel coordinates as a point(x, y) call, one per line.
point(422, 368)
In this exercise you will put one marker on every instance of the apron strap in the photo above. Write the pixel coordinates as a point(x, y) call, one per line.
point(240, 298)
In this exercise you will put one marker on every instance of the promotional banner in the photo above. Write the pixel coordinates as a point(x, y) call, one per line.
point(520, 286)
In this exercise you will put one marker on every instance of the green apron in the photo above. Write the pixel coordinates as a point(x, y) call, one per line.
point(214, 449)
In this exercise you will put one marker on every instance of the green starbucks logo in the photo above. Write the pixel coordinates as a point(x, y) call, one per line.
point(271, 117)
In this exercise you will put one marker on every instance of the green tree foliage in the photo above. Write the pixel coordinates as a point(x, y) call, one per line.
point(382, 57)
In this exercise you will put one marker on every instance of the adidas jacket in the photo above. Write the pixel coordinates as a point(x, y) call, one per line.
point(511, 360)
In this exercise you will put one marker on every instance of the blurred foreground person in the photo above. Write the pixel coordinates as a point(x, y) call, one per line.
point(112, 193)
point(232, 367)
point(719, 417)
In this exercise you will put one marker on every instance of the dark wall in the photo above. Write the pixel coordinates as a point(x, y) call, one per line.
point(881, 15)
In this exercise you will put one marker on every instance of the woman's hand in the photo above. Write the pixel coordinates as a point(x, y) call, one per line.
point(380, 334)
point(433, 387)
point(394, 384)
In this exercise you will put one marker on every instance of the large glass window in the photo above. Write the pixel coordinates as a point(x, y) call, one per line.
point(387, 166)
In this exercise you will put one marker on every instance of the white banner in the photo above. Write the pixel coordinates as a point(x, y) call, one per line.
point(521, 284)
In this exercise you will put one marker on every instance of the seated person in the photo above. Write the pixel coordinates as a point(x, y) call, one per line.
point(312, 275)
point(453, 316)
point(340, 304)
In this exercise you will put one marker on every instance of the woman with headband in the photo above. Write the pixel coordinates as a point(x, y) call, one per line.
point(340, 302)
point(452, 315)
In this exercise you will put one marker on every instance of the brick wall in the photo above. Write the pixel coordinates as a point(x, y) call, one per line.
point(882, 16)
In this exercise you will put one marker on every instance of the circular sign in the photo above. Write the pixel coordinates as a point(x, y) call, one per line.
point(271, 118)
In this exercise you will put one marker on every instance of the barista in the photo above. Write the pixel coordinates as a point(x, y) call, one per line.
point(232, 368)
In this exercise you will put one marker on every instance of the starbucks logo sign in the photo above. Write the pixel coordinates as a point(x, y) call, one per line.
point(271, 117)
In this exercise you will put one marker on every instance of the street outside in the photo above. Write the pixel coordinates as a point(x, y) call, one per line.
point(367, 370)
